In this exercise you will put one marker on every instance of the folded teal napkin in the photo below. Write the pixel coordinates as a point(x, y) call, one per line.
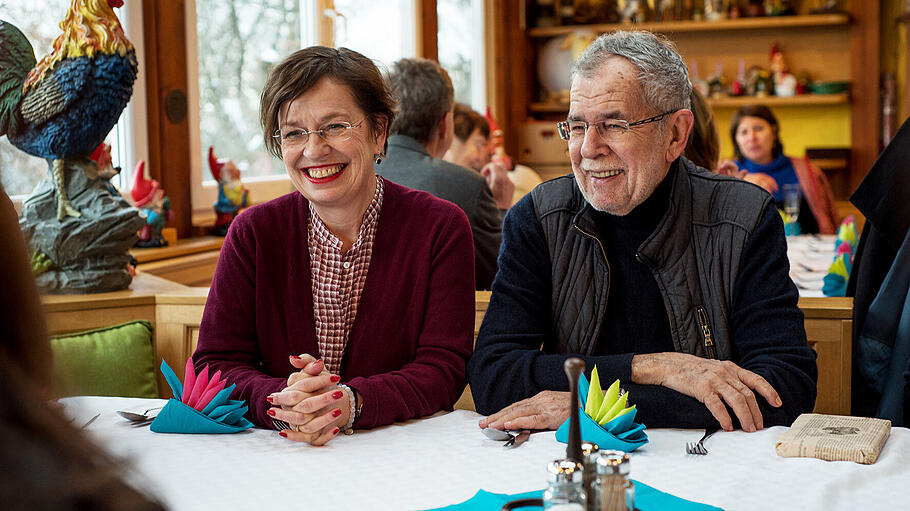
point(201, 406)
point(621, 433)
point(646, 499)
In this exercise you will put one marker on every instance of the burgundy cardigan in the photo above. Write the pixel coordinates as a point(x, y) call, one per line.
point(411, 339)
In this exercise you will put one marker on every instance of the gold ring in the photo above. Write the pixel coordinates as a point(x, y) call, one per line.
point(295, 427)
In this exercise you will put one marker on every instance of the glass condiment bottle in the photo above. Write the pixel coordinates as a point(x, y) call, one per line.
point(589, 451)
point(614, 490)
point(565, 489)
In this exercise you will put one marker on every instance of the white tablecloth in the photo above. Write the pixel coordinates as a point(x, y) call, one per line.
point(445, 459)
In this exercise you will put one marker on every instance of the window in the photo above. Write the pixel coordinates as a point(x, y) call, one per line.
point(20, 172)
point(235, 43)
point(460, 40)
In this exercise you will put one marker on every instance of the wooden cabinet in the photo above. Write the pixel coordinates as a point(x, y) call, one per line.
point(831, 47)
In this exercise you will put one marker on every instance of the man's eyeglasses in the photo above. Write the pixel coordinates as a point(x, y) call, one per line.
point(333, 132)
point(610, 130)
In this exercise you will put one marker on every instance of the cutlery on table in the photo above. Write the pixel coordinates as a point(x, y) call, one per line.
point(699, 448)
point(139, 418)
point(507, 437)
point(91, 420)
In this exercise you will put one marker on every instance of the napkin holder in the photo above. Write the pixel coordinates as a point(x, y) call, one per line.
point(220, 415)
point(621, 433)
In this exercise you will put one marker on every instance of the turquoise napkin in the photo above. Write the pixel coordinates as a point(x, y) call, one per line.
point(204, 405)
point(646, 499)
point(621, 433)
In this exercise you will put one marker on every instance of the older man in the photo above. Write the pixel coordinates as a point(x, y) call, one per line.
point(668, 277)
point(421, 133)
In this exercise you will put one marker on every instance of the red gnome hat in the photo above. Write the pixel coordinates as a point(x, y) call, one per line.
point(493, 126)
point(102, 155)
point(143, 190)
point(215, 165)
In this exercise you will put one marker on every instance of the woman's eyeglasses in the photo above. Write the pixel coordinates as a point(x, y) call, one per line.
point(610, 130)
point(332, 132)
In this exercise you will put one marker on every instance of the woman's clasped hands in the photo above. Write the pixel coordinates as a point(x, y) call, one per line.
point(313, 404)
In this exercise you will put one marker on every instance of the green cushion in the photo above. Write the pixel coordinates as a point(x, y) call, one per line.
point(112, 361)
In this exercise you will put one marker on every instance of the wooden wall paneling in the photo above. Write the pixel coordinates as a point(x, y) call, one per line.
point(168, 128)
point(177, 319)
point(865, 130)
point(427, 29)
point(512, 69)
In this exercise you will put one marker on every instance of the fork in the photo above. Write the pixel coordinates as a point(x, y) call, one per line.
point(699, 448)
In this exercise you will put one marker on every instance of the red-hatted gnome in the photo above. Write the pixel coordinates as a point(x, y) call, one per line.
point(106, 169)
point(154, 206)
point(231, 194)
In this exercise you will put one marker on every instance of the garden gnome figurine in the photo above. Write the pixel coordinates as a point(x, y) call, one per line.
point(149, 198)
point(784, 81)
point(231, 194)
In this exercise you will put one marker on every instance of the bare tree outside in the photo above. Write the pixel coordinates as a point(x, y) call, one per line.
point(239, 42)
point(456, 33)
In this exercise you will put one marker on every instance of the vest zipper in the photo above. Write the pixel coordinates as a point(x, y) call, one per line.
point(702, 316)
point(606, 261)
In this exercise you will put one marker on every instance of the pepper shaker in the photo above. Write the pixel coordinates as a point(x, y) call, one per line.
point(614, 490)
point(565, 489)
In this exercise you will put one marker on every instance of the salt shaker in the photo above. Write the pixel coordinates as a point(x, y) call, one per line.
point(590, 452)
point(565, 490)
point(614, 491)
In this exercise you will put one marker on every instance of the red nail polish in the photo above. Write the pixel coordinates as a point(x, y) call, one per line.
point(271, 412)
point(335, 432)
point(335, 378)
point(284, 434)
point(336, 413)
point(295, 357)
point(269, 399)
point(338, 394)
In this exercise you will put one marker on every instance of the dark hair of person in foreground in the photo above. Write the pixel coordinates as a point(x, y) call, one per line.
point(47, 463)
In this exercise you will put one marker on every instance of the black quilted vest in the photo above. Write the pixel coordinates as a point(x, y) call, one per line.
point(694, 255)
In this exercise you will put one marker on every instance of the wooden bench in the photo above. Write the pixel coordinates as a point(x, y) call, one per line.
point(176, 312)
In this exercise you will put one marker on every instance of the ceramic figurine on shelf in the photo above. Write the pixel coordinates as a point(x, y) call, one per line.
point(759, 82)
point(630, 11)
point(231, 194)
point(697, 83)
point(784, 81)
point(106, 169)
point(738, 87)
point(717, 84)
point(149, 198)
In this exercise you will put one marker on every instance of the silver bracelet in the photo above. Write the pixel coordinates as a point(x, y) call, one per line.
point(348, 428)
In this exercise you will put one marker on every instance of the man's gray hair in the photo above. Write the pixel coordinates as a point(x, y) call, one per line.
point(425, 95)
point(662, 73)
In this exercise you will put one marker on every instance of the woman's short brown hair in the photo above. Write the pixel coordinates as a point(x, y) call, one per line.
point(467, 120)
point(303, 69)
point(762, 112)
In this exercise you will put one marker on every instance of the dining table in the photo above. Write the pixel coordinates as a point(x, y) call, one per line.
point(444, 459)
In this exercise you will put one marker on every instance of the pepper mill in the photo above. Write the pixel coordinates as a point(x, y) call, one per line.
point(574, 366)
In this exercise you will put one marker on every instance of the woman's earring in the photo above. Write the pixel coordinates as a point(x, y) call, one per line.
point(378, 158)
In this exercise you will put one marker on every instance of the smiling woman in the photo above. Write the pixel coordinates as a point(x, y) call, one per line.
point(350, 302)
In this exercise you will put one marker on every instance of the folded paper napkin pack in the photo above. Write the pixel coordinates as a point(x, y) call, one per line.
point(835, 282)
point(605, 420)
point(200, 405)
point(646, 499)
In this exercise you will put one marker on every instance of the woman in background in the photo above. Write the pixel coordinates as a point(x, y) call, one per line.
point(47, 463)
point(756, 144)
point(373, 279)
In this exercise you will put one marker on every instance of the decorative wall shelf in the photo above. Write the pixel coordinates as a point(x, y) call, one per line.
point(768, 22)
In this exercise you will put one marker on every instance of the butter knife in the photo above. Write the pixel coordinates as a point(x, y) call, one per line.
point(519, 439)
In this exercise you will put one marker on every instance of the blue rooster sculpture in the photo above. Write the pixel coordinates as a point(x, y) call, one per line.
point(62, 107)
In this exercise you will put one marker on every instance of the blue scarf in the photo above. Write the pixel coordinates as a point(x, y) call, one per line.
point(781, 169)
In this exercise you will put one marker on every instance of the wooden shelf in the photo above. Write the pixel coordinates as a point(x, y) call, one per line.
point(730, 102)
point(768, 22)
point(775, 101)
point(183, 247)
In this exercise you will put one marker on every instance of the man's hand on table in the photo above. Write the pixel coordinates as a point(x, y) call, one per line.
point(547, 410)
point(312, 401)
point(713, 382)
